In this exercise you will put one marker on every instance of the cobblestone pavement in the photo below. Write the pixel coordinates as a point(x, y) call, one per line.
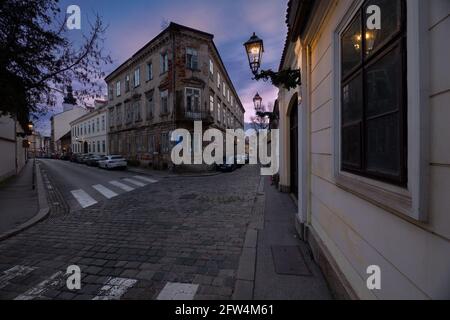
point(183, 230)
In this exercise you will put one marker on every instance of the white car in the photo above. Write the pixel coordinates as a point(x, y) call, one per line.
point(111, 162)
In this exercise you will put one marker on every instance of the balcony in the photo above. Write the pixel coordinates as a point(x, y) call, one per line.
point(204, 116)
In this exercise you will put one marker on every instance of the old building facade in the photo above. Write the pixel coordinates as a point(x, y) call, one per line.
point(364, 143)
point(174, 80)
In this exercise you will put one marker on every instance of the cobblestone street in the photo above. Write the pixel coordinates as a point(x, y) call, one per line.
point(185, 230)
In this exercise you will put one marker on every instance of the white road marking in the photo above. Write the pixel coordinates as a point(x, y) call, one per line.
point(83, 198)
point(108, 193)
point(54, 282)
point(16, 271)
point(121, 186)
point(146, 179)
point(114, 288)
point(135, 182)
point(178, 291)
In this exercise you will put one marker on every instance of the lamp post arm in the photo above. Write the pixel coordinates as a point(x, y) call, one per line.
point(289, 79)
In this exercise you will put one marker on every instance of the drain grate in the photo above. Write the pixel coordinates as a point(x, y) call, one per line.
point(289, 260)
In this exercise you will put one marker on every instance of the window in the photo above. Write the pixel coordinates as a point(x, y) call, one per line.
point(111, 92)
point(151, 143)
point(129, 112)
point(218, 80)
point(98, 146)
point(137, 77)
point(127, 83)
point(149, 71)
point(165, 142)
point(118, 88)
point(119, 115)
point(218, 112)
point(373, 90)
point(150, 106)
point(211, 67)
point(191, 59)
point(224, 90)
point(104, 146)
point(103, 123)
point(228, 95)
point(164, 102)
point(137, 111)
point(164, 61)
point(211, 104)
point(192, 99)
point(232, 101)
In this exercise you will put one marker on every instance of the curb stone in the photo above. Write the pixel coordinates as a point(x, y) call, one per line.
point(245, 279)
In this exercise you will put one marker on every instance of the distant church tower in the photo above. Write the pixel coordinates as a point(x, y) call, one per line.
point(69, 100)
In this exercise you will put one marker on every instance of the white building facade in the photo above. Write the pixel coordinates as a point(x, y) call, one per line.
point(364, 143)
point(60, 125)
point(90, 133)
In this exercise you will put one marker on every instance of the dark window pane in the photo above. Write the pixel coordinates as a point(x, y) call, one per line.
point(351, 46)
point(352, 100)
point(351, 146)
point(390, 23)
point(383, 145)
point(384, 84)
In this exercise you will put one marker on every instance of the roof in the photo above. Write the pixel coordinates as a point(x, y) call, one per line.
point(175, 27)
point(172, 26)
point(297, 16)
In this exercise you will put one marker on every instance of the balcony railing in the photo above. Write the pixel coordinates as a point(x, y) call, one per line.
point(198, 116)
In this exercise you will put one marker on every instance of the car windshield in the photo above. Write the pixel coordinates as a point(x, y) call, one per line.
point(116, 157)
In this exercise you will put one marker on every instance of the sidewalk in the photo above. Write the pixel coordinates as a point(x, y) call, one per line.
point(18, 202)
point(20, 205)
point(276, 264)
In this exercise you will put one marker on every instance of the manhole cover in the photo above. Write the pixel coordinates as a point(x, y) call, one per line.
point(289, 260)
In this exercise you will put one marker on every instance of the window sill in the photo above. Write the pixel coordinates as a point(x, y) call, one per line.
point(388, 197)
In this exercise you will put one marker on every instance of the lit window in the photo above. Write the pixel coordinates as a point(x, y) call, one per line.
point(211, 103)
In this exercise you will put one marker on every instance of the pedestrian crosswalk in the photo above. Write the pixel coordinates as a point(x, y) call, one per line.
point(95, 193)
point(113, 288)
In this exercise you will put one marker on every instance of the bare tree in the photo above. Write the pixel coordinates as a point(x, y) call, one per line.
point(37, 59)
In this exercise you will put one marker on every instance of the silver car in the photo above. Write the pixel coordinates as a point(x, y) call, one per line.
point(112, 162)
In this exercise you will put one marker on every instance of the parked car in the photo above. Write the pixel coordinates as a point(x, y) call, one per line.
point(93, 160)
point(227, 167)
point(85, 157)
point(112, 162)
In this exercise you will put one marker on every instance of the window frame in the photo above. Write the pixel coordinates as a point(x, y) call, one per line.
point(118, 88)
point(410, 203)
point(192, 58)
point(396, 41)
point(137, 77)
point(199, 91)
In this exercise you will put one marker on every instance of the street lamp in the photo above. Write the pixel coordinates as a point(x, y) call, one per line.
point(254, 49)
point(257, 102)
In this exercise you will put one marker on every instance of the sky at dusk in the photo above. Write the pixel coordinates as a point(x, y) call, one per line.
point(131, 24)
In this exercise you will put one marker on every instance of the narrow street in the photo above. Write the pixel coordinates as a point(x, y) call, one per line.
point(183, 230)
